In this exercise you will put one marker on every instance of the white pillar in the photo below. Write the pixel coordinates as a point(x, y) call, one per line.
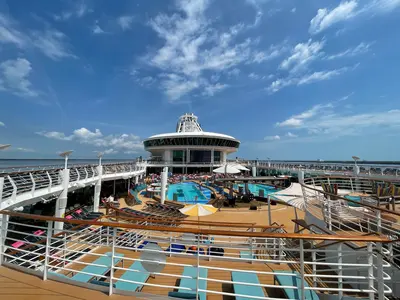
point(356, 170)
point(223, 157)
point(61, 203)
point(164, 177)
point(254, 171)
point(136, 179)
point(300, 175)
point(97, 189)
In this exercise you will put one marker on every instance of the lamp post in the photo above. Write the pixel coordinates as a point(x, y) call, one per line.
point(356, 168)
point(100, 156)
point(66, 154)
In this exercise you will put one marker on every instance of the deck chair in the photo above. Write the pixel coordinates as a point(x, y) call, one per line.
point(105, 261)
point(295, 281)
point(191, 283)
point(136, 273)
point(240, 278)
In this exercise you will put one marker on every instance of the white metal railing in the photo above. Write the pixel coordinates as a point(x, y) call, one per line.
point(333, 268)
point(28, 183)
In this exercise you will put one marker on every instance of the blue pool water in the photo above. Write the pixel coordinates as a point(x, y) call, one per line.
point(255, 188)
point(354, 198)
point(187, 193)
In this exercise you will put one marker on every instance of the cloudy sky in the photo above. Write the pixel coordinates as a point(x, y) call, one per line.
point(291, 79)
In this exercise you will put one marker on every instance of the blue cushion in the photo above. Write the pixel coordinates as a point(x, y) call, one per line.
point(295, 281)
point(140, 276)
point(182, 295)
point(246, 254)
point(191, 282)
point(102, 283)
point(249, 290)
point(104, 260)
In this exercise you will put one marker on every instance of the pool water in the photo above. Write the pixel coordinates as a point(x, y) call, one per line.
point(255, 188)
point(354, 198)
point(187, 193)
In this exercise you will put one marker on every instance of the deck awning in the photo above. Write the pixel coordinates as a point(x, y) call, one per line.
point(293, 195)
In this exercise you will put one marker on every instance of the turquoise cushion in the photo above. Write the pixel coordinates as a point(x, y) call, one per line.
point(242, 289)
point(182, 295)
point(191, 282)
point(295, 281)
point(140, 276)
point(104, 260)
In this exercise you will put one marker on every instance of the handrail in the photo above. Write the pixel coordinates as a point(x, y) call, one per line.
point(201, 223)
point(369, 178)
point(352, 201)
point(356, 238)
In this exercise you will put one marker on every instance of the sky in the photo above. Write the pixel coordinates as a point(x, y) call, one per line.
point(290, 79)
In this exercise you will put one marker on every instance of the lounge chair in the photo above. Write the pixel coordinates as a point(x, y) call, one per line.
point(247, 254)
point(191, 283)
point(243, 289)
point(176, 248)
point(295, 281)
point(105, 261)
point(136, 273)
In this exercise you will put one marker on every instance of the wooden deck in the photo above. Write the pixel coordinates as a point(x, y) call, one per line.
point(174, 281)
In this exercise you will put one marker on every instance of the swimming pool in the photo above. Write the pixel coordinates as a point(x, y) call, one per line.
point(255, 188)
point(354, 198)
point(187, 192)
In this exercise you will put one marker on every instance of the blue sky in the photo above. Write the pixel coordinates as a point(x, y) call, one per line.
point(291, 81)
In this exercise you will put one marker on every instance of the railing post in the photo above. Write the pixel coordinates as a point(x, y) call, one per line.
point(112, 261)
point(14, 193)
point(33, 184)
point(47, 253)
point(371, 271)
point(314, 266)
point(1, 188)
point(198, 266)
point(269, 210)
point(3, 236)
point(378, 221)
point(340, 271)
point(50, 181)
point(108, 233)
point(379, 267)
point(302, 280)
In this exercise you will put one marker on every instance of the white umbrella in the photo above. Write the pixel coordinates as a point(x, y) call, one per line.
point(227, 169)
point(240, 167)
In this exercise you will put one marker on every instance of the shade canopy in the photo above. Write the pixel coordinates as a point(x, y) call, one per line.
point(241, 168)
point(227, 169)
point(198, 210)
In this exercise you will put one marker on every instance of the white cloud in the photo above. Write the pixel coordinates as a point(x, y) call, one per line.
point(293, 10)
point(302, 55)
point(125, 22)
point(110, 151)
point(52, 43)
point(273, 52)
point(309, 78)
point(254, 76)
point(96, 29)
point(193, 50)
point(14, 77)
point(211, 89)
point(78, 10)
point(327, 17)
point(2, 124)
point(347, 10)
point(291, 135)
point(328, 119)
point(359, 49)
point(272, 138)
point(298, 120)
point(24, 149)
point(9, 34)
point(114, 142)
